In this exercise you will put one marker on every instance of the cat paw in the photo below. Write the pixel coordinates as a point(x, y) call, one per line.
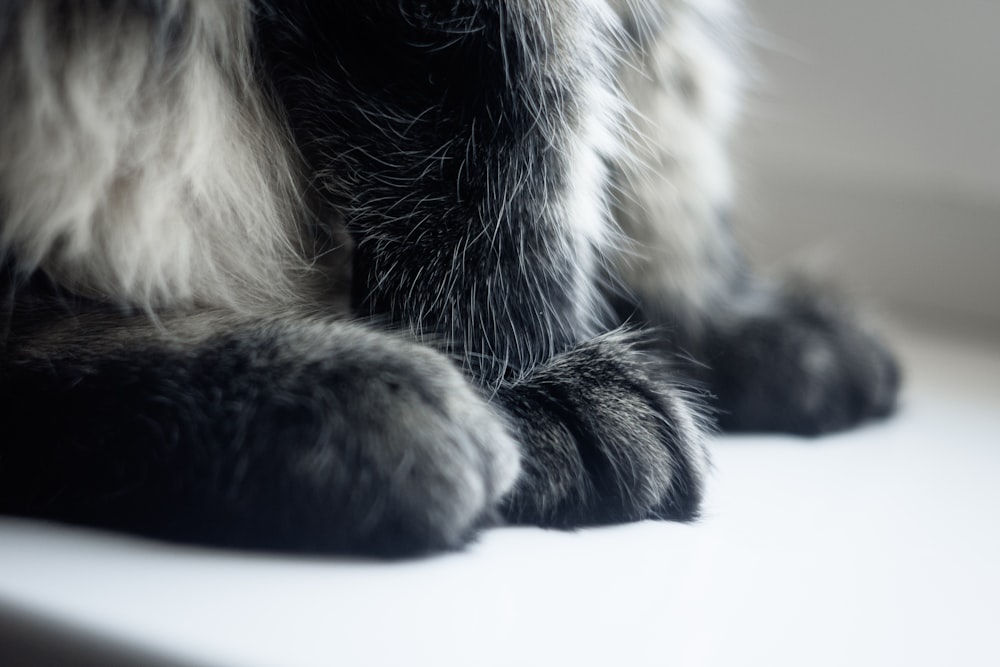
point(803, 365)
point(290, 435)
point(413, 461)
point(605, 439)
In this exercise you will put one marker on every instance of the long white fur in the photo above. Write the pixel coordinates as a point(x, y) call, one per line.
point(148, 183)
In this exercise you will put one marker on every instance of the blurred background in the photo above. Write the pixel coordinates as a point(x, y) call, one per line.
point(871, 151)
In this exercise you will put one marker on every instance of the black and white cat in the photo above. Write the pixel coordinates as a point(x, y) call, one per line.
point(368, 275)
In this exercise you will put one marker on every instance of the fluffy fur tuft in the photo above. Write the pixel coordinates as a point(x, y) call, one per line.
point(142, 164)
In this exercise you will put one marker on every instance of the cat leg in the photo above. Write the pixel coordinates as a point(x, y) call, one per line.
point(290, 434)
point(467, 152)
point(783, 356)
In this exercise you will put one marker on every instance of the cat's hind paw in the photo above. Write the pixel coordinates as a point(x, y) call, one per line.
point(802, 365)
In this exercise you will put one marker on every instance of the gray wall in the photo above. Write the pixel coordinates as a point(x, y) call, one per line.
point(872, 149)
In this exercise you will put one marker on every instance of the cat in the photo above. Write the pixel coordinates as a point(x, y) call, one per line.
point(367, 276)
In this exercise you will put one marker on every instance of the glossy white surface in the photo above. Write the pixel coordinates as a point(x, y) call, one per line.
point(877, 547)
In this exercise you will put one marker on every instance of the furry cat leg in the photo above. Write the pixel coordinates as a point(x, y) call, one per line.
point(777, 355)
point(465, 144)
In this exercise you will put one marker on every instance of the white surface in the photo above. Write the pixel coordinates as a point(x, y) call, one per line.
point(878, 547)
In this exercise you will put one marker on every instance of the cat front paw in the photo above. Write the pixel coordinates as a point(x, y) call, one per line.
point(411, 459)
point(803, 364)
point(605, 439)
point(300, 435)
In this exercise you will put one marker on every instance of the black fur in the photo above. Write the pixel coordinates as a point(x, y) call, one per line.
point(363, 444)
point(442, 163)
point(606, 440)
point(798, 365)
